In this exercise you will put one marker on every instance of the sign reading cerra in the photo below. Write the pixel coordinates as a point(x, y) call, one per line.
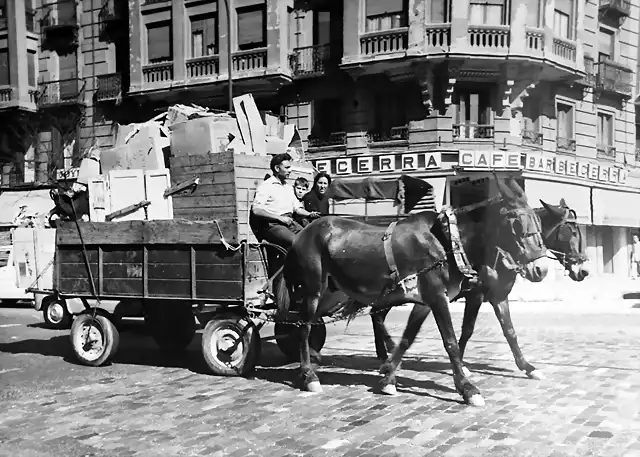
point(379, 163)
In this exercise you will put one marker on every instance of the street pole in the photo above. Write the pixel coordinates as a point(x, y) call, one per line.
point(229, 59)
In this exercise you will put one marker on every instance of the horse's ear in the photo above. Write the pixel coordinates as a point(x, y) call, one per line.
point(563, 203)
point(554, 210)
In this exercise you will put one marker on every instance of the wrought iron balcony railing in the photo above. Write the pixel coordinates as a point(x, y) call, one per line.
point(532, 138)
point(565, 144)
point(109, 87)
point(331, 139)
point(471, 131)
point(393, 134)
point(309, 60)
point(64, 92)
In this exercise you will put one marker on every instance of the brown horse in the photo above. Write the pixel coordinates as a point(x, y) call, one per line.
point(502, 233)
point(562, 237)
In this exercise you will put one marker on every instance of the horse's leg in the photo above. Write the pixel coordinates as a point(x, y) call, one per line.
point(473, 301)
point(310, 380)
point(418, 314)
point(381, 336)
point(442, 315)
point(503, 314)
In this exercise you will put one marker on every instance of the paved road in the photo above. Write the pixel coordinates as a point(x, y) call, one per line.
point(146, 404)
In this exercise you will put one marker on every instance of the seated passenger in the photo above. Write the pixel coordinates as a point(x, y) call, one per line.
point(301, 187)
point(316, 199)
point(275, 204)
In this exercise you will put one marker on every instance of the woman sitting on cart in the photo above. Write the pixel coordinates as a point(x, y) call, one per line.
point(275, 204)
point(316, 199)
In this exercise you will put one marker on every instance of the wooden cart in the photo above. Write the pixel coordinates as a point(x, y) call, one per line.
point(206, 263)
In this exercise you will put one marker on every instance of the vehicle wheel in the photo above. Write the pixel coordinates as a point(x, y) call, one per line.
point(288, 338)
point(94, 340)
point(172, 325)
point(231, 345)
point(55, 313)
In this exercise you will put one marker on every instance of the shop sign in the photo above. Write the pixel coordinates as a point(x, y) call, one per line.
point(565, 166)
point(69, 173)
point(492, 160)
point(362, 165)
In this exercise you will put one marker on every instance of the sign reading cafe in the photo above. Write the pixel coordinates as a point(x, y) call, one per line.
point(380, 163)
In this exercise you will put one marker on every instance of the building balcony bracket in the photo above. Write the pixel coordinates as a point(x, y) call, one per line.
point(425, 77)
point(614, 10)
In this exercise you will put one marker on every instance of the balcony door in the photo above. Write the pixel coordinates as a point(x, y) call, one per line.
point(488, 12)
point(321, 28)
point(473, 112)
point(68, 76)
point(385, 15)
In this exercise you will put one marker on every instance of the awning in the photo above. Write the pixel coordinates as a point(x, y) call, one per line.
point(35, 202)
point(617, 209)
point(578, 198)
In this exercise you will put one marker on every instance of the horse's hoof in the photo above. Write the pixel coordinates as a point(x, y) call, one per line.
point(314, 386)
point(389, 389)
point(466, 372)
point(537, 375)
point(476, 400)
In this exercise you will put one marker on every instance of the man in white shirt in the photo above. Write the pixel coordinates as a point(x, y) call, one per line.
point(275, 204)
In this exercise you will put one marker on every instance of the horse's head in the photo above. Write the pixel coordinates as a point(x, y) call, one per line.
point(519, 232)
point(563, 237)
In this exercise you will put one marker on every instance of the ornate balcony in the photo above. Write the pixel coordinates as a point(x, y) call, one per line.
point(438, 37)
point(112, 20)
point(61, 93)
point(109, 87)
point(534, 41)
point(489, 38)
point(473, 131)
point(386, 42)
point(203, 67)
point(60, 27)
point(614, 78)
point(565, 144)
point(394, 134)
point(564, 49)
point(254, 59)
point(615, 9)
point(337, 139)
point(310, 60)
point(532, 138)
point(606, 151)
point(157, 73)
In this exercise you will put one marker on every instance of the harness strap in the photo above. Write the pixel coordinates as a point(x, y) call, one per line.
point(447, 218)
point(388, 252)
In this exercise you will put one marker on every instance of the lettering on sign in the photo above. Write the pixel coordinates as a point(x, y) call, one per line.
point(69, 173)
point(381, 163)
point(498, 160)
point(548, 163)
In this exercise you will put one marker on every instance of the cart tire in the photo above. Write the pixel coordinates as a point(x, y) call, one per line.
point(55, 313)
point(171, 325)
point(288, 338)
point(223, 332)
point(102, 333)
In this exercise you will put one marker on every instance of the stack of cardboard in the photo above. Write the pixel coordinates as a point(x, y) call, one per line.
point(137, 167)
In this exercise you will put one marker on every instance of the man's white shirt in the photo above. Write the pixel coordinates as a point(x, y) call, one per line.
point(275, 197)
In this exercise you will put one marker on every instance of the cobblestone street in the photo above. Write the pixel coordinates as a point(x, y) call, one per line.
point(147, 404)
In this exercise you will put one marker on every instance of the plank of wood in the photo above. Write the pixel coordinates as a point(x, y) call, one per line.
point(251, 161)
point(169, 288)
point(212, 189)
point(147, 232)
point(223, 161)
point(127, 210)
point(130, 287)
point(189, 184)
point(217, 255)
point(128, 254)
point(219, 272)
point(77, 270)
point(74, 254)
point(217, 201)
point(169, 255)
point(73, 286)
point(219, 289)
point(169, 271)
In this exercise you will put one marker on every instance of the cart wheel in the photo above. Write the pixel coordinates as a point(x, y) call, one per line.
point(94, 340)
point(55, 313)
point(171, 325)
point(288, 338)
point(231, 345)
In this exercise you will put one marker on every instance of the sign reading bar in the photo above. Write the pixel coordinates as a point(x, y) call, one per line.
point(501, 160)
point(566, 166)
point(379, 163)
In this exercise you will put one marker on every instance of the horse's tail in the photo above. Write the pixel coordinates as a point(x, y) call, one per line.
point(281, 292)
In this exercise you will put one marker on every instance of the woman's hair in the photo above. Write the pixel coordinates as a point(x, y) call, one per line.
point(322, 174)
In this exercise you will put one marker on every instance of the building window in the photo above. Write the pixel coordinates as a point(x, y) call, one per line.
point(321, 28)
point(533, 13)
point(563, 19)
point(390, 111)
point(327, 118)
point(30, 16)
point(385, 15)
point(4, 67)
point(31, 68)
point(66, 12)
point(204, 35)
point(488, 12)
point(606, 44)
point(605, 129)
point(565, 129)
point(252, 27)
point(159, 47)
point(439, 12)
point(472, 117)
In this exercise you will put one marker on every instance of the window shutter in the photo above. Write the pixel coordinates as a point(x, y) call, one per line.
point(31, 67)
point(251, 27)
point(380, 7)
point(66, 12)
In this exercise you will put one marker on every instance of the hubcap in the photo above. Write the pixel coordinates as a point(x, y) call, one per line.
point(227, 347)
point(89, 341)
point(55, 312)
